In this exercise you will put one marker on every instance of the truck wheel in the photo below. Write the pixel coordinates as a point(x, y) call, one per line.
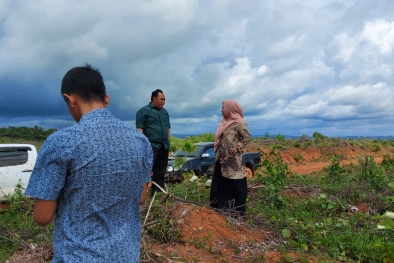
point(249, 173)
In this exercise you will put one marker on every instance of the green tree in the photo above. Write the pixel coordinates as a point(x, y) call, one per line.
point(317, 136)
point(189, 148)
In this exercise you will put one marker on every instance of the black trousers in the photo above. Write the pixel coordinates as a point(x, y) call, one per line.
point(228, 194)
point(160, 160)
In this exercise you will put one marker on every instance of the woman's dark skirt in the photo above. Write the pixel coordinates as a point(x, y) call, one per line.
point(228, 193)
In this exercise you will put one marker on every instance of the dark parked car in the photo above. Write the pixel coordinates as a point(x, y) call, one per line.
point(200, 160)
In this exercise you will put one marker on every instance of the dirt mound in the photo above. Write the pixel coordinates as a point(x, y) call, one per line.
point(208, 236)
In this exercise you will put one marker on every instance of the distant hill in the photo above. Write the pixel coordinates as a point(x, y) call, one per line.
point(370, 137)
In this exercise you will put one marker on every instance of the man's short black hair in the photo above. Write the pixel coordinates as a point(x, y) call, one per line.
point(86, 82)
point(155, 93)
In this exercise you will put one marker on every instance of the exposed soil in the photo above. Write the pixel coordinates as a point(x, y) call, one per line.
point(208, 236)
point(315, 159)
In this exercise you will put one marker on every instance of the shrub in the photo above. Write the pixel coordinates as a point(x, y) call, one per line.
point(276, 171)
point(318, 136)
point(388, 163)
point(280, 137)
point(376, 147)
point(204, 137)
point(372, 172)
point(164, 230)
point(179, 162)
point(335, 169)
point(298, 157)
point(176, 144)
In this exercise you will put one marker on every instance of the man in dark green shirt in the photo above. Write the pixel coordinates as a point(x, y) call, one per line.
point(153, 121)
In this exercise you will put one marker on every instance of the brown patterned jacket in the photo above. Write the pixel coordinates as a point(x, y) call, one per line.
point(230, 150)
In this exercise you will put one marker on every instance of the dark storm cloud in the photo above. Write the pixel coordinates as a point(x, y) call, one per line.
point(30, 101)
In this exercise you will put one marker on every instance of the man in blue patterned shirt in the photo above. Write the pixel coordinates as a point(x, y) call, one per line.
point(92, 176)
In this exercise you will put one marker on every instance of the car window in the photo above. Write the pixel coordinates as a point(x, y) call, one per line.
point(12, 156)
point(211, 152)
point(181, 153)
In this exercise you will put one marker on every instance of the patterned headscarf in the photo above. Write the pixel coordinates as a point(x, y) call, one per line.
point(232, 113)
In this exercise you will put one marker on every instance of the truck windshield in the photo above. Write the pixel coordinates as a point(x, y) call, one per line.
point(196, 153)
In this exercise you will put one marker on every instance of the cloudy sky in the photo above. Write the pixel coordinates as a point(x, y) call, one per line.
point(296, 67)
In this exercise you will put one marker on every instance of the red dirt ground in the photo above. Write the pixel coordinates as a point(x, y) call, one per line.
point(209, 237)
point(314, 159)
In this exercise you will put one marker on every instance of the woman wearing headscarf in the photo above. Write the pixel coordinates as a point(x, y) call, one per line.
point(229, 186)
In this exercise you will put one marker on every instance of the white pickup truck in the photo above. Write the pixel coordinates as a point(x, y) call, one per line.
point(16, 163)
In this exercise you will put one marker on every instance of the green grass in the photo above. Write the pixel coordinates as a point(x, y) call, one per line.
point(316, 219)
point(17, 228)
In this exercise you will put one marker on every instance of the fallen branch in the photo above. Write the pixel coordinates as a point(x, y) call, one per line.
point(23, 243)
point(150, 206)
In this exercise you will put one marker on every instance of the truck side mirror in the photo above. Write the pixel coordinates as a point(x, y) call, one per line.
point(205, 155)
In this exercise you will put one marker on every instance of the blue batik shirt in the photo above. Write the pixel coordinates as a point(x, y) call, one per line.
point(95, 169)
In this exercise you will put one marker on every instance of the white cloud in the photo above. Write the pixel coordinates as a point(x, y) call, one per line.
point(380, 33)
point(375, 34)
point(290, 44)
point(384, 70)
point(354, 102)
point(261, 70)
point(347, 45)
point(87, 50)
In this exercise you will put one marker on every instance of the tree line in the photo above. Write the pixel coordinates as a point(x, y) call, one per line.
point(36, 133)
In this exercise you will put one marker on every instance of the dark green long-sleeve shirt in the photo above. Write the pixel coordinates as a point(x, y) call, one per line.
point(155, 124)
